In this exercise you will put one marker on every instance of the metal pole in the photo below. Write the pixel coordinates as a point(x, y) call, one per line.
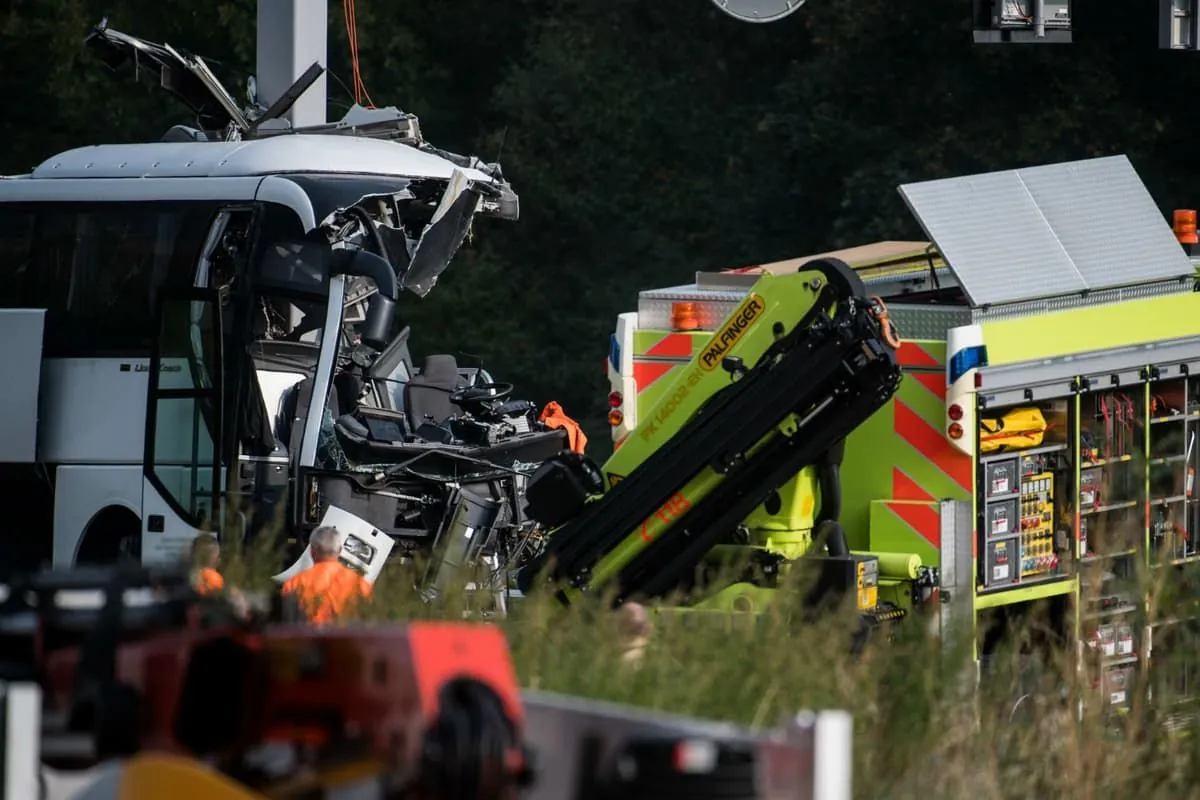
point(1039, 19)
point(292, 34)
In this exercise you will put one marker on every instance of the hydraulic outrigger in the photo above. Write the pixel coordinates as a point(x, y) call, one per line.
point(792, 394)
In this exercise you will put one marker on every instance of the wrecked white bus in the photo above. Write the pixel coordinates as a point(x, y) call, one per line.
point(201, 329)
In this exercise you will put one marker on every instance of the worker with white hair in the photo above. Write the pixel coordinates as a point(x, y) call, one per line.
point(634, 627)
point(329, 589)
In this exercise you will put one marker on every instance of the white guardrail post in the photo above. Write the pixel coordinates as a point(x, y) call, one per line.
point(20, 722)
point(833, 763)
point(809, 756)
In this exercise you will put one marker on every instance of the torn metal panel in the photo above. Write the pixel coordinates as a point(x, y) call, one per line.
point(264, 144)
point(445, 233)
point(364, 548)
point(183, 75)
point(331, 193)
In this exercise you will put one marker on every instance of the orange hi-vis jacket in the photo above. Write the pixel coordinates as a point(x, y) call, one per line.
point(208, 581)
point(326, 590)
point(554, 417)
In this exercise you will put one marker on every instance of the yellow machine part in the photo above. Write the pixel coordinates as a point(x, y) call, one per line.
point(787, 527)
point(867, 586)
point(166, 777)
point(1016, 430)
point(155, 777)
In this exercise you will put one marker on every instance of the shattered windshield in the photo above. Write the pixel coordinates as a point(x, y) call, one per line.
point(287, 258)
point(294, 265)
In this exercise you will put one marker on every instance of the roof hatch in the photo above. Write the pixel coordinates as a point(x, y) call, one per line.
point(1038, 232)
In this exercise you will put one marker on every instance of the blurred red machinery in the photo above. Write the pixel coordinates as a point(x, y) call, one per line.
point(145, 690)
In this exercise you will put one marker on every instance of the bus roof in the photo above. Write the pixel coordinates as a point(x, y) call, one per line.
point(293, 153)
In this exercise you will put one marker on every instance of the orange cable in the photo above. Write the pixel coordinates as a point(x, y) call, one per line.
point(348, 13)
point(360, 88)
point(350, 45)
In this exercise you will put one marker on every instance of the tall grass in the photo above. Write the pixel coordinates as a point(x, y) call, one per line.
point(922, 727)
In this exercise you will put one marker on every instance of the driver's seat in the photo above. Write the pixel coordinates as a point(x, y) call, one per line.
point(427, 395)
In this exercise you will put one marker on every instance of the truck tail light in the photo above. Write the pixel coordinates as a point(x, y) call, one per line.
point(615, 399)
point(955, 411)
point(955, 431)
point(695, 756)
point(615, 417)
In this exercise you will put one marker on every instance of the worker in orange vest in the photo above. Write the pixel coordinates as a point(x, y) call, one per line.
point(328, 589)
point(206, 554)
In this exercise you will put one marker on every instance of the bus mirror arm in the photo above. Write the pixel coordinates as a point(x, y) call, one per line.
point(376, 329)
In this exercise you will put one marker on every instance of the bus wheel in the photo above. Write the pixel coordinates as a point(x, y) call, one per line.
point(114, 534)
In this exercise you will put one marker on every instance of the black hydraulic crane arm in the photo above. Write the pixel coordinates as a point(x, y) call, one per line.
point(828, 374)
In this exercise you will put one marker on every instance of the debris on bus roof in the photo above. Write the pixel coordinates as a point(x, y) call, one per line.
point(300, 153)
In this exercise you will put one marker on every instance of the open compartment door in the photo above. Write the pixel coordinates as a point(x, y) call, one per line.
point(1074, 228)
point(21, 353)
point(182, 465)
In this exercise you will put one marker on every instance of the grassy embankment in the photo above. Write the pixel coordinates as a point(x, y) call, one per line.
point(920, 732)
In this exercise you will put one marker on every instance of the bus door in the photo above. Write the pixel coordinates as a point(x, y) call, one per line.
point(183, 480)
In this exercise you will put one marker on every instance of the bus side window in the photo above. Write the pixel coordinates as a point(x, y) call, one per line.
point(113, 276)
point(100, 269)
point(16, 242)
point(48, 285)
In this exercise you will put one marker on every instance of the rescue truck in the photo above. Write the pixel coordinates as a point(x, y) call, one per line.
point(1040, 452)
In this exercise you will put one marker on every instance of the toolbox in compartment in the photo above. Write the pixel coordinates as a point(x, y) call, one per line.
point(1000, 478)
point(1003, 518)
point(1002, 562)
point(1116, 683)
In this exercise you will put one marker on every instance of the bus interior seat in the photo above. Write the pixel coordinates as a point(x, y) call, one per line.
point(277, 391)
point(293, 408)
point(427, 394)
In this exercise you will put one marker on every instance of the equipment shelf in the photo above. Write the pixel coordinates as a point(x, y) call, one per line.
point(1092, 558)
point(1114, 611)
point(1102, 462)
point(1020, 541)
point(1056, 587)
point(1175, 418)
point(1172, 522)
point(1118, 661)
point(1110, 507)
point(1176, 562)
point(1115, 469)
point(1032, 451)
